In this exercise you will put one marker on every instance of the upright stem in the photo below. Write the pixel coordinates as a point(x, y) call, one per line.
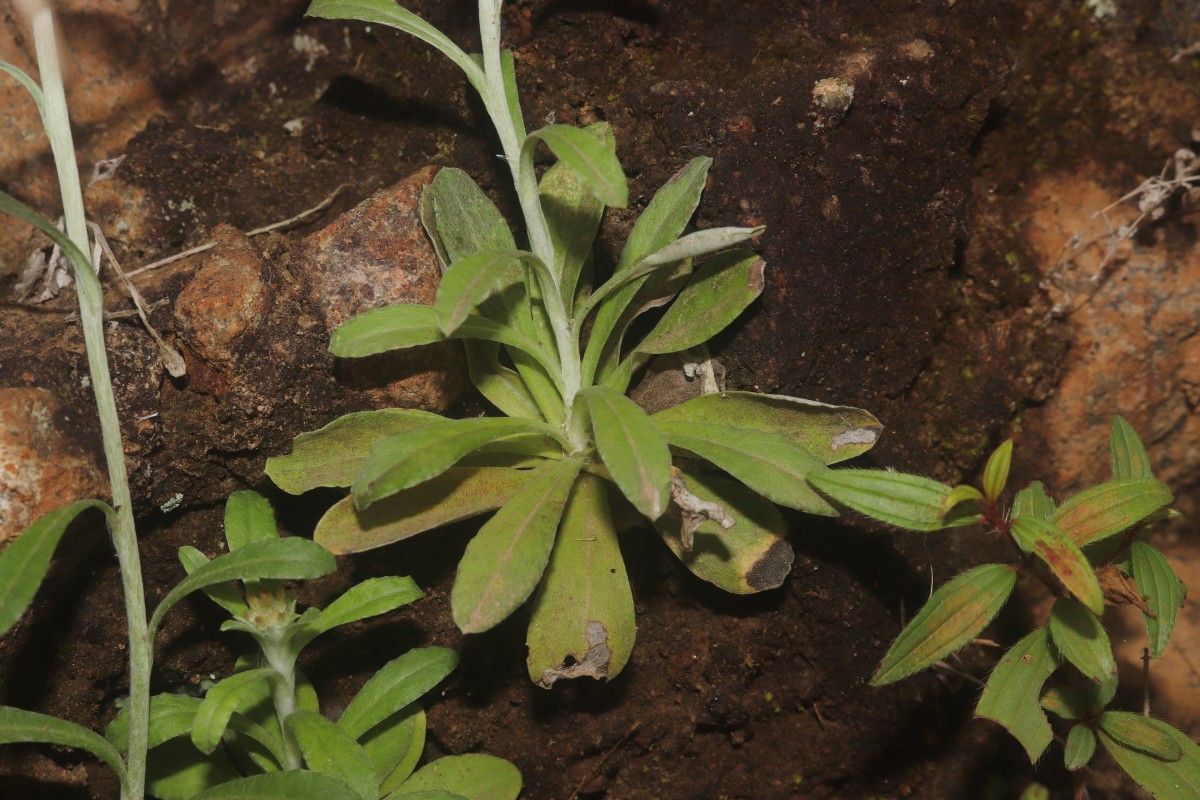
point(282, 659)
point(91, 312)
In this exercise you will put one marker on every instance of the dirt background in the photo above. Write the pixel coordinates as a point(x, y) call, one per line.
point(918, 268)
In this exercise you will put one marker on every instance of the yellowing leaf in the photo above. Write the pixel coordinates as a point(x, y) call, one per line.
point(1064, 558)
point(1108, 509)
point(995, 474)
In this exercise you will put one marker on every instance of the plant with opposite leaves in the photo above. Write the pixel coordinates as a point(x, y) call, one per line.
point(547, 345)
point(260, 733)
point(1089, 551)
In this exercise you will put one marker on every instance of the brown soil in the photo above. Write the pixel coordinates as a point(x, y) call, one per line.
point(901, 279)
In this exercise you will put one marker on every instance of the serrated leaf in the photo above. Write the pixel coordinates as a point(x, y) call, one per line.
point(1102, 511)
point(293, 785)
point(897, 498)
point(1081, 640)
point(504, 562)
point(1165, 780)
point(399, 683)
point(474, 776)
point(1064, 701)
point(280, 559)
point(715, 296)
point(458, 493)
point(1080, 747)
point(329, 750)
point(394, 747)
point(1145, 734)
point(768, 462)
point(1064, 558)
point(1163, 592)
point(632, 448)
point(1010, 697)
point(1129, 457)
point(410, 459)
point(24, 563)
point(332, 455)
point(18, 726)
point(1033, 502)
point(387, 12)
point(583, 618)
point(831, 433)
point(752, 556)
point(953, 616)
point(593, 163)
point(213, 713)
point(995, 473)
point(660, 224)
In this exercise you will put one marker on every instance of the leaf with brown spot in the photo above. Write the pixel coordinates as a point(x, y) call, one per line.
point(1105, 510)
point(1064, 558)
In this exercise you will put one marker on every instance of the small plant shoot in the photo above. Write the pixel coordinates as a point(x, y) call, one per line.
point(1089, 552)
point(260, 733)
point(549, 335)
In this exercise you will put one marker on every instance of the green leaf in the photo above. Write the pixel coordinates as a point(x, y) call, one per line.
point(1129, 457)
point(573, 216)
point(1065, 702)
point(30, 85)
point(508, 71)
point(370, 598)
point(329, 750)
point(660, 224)
point(831, 433)
point(248, 518)
point(458, 493)
point(81, 265)
point(897, 498)
point(1064, 558)
point(775, 467)
point(504, 562)
point(962, 494)
point(1108, 509)
point(995, 473)
point(387, 12)
point(1033, 502)
point(331, 456)
point(410, 459)
point(694, 245)
point(17, 726)
point(1100, 695)
point(398, 684)
point(395, 746)
point(278, 559)
point(1164, 593)
point(1010, 697)
point(503, 387)
point(1165, 780)
point(294, 785)
point(176, 770)
point(473, 776)
point(212, 716)
point(1081, 640)
point(632, 448)
point(24, 563)
point(1145, 734)
point(593, 163)
point(949, 620)
point(223, 594)
point(467, 220)
point(1081, 746)
point(751, 556)
point(583, 618)
point(717, 293)
point(471, 280)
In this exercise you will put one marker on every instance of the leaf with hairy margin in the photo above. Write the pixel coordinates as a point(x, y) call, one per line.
point(1105, 510)
point(1010, 697)
point(1164, 594)
point(897, 498)
point(1063, 557)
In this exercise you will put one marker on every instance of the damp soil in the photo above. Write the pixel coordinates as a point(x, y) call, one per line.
point(898, 281)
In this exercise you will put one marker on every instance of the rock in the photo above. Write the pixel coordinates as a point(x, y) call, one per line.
point(374, 255)
point(41, 466)
point(225, 300)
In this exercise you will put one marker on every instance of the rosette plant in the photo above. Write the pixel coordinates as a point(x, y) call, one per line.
point(548, 335)
point(1089, 552)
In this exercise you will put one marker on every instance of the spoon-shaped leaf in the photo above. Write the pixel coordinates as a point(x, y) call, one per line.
point(634, 451)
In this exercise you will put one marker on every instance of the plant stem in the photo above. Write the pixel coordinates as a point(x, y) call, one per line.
point(282, 659)
point(91, 312)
